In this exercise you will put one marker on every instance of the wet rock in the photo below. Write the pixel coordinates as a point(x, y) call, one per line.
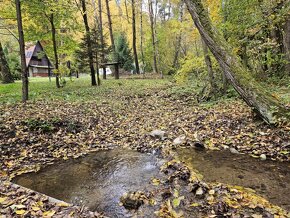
point(179, 140)
point(199, 191)
point(240, 176)
point(199, 188)
point(199, 146)
point(225, 147)
point(166, 194)
point(158, 134)
point(263, 157)
point(133, 200)
point(234, 151)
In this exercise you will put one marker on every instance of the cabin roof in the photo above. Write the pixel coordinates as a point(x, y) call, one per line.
point(29, 51)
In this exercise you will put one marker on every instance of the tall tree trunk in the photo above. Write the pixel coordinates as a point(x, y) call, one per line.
point(6, 75)
point(97, 24)
point(127, 14)
point(97, 68)
point(53, 36)
point(116, 73)
point(153, 36)
point(178, 40)
point(209, 68)
point(89, 43)
point(286, 43)
point(142, 38)
point(24, 73)
point(134, 38)
point(102, 38)
point(269, 109)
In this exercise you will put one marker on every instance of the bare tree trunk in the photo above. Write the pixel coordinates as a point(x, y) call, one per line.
point(142, 38)
point(178, 40)
point(116, 73)
point(286, 42)
point(53, 35)
point(262, 102)
point(209, 68)
point(89, 44)
point(153, 36)
point(24, 74)
point(5, 72)
point(126, 8)
point(134, 38)
point(97, 68)
point(102, 38)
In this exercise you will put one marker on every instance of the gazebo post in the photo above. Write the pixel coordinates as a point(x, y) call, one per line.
point(117, 71)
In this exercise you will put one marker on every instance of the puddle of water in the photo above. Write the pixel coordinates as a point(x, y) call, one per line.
point(269, 179)
point(97, 180)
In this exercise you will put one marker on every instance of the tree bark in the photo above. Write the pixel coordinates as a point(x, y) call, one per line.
point(24, 74)
point(6, 75)
point(102, 38)
point(110, 26)
point(209, 68)
point(153, 36)
point(179, 39)
point(53, 36)
point(116, 73)
point(134, 37)
point(97, 68)
point(262, 102)
point(89, 44)
point(142, 38)
point(286, 43)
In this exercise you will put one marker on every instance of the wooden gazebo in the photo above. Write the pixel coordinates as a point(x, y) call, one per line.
point(116, 66)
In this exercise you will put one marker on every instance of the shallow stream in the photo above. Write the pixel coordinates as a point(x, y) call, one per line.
point(100, 179)
point(268, 178)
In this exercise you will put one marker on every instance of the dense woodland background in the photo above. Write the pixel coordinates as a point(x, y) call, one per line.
point(243, 42)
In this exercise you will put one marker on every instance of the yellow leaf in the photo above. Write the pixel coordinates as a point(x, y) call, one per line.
point(63, 204)
point(20, 212)
point(40, 203)
point(194, 205)
point(49, 213)
point(155, 182)
point(35, 208)
point(2, 199)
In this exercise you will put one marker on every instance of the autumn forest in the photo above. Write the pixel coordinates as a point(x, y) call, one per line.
point(144, 108)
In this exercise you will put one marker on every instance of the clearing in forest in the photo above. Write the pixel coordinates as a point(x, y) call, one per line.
point(63, 131)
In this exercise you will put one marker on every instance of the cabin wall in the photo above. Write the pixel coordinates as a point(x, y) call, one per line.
point(38, 72)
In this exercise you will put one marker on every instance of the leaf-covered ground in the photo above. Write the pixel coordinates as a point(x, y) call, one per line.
point(74, 121)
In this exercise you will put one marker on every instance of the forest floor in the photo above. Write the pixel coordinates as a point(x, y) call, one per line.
point(78, 119)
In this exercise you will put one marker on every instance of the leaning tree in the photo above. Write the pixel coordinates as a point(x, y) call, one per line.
point(260, 100)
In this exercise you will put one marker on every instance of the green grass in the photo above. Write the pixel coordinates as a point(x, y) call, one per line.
point(77, 89)
point(81, 90)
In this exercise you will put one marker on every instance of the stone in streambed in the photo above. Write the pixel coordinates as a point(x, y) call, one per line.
point(234, 151)
point(179, 140)
point(157, 133)
point(133, 200)
point(263, 157)
point(199, 146)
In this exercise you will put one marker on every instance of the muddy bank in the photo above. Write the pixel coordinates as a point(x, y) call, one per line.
point(268, 178)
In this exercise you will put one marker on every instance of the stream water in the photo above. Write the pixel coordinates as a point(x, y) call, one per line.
point(100, 179)
point(268, 178)
point(97, 180)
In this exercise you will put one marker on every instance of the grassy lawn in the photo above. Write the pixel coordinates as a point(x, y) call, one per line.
point(77, 89)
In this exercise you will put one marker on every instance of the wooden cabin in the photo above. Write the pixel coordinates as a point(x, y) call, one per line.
point(37, 61)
